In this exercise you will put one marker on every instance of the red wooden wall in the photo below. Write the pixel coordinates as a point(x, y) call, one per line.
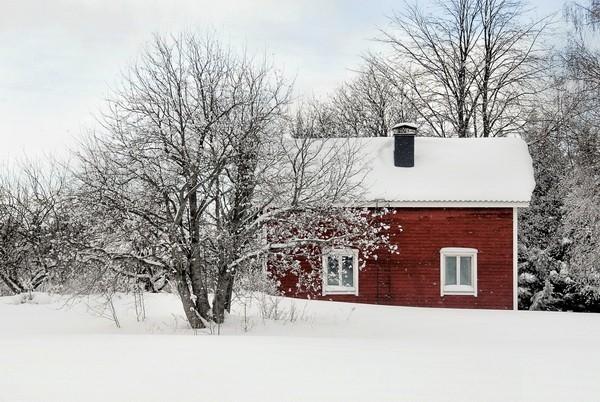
point(412, 277)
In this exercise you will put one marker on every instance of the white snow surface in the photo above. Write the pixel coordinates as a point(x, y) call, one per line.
point(313, 351)
point(446, 170)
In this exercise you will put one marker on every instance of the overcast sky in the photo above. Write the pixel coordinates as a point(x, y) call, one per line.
point(59, 58)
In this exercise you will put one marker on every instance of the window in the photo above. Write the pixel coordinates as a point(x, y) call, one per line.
point(458, 271)
point(340, 271)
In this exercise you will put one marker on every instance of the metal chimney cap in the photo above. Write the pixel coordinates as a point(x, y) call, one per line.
point(412, 128)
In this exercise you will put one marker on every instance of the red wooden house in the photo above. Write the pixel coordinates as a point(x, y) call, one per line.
point(456, 201)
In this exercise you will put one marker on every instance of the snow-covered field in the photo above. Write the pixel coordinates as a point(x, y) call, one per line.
point(308, 350)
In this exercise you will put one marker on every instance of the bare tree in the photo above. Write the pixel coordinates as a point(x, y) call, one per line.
point(314, 119)
point(433, 57)
point(512, 67)
point(195, 163)
point(167, 146)
point(32, 222)
point(369, 105)
point(583, 16)
point(468, 69)
point(366, 106)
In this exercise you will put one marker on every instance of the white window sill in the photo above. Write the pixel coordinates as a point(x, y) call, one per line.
point(340, 291)
point(452, 290)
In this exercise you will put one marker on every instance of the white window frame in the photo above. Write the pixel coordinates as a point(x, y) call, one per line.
point(340, 290)
point(465, 290)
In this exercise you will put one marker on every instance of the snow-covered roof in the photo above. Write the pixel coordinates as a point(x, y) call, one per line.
point(457, 170)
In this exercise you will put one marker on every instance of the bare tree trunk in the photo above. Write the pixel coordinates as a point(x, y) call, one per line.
point(197, 283)
point(189, 307)
point(229, 295)
point(485, 112)
point(199, 286)
point(192, 289)
point(222, 301)
point(462, 128)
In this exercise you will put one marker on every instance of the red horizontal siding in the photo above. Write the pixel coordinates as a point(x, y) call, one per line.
point(412, 277)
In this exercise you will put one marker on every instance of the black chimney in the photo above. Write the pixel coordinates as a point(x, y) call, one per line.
point(404, 144)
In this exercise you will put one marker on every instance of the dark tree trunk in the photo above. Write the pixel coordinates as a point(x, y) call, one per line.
point(229, 295)
point(192, 291)
point(199, 286)
point(484, 112)
point(488, 30)
point(222, 299)
point(194, 261)
point(189, 307)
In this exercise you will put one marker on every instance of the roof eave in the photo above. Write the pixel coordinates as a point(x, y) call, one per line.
point(440, 204)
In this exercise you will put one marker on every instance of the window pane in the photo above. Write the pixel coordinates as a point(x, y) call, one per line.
point(348, 271)
point(450, 271)
point(333, 273)
point(466, 271)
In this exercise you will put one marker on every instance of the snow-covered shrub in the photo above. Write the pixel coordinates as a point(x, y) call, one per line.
point(581, 226)
point(33, 227)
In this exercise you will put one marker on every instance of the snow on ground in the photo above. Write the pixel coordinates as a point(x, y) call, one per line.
point(54, 350)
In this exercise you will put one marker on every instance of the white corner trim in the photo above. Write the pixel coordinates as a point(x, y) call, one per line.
point(515, 259)
point(458, 290)
point(339, 290)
